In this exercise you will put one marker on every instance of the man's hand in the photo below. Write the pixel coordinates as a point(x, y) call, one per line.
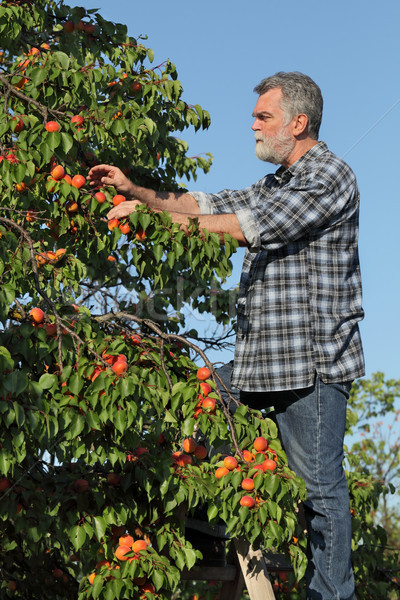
point(108, 175)
point(123, 210)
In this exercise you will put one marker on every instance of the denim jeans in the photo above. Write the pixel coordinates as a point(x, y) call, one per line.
point(312, 423)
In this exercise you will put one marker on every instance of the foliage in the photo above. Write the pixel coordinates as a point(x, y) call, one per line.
point(98, 387)
point(374, 470)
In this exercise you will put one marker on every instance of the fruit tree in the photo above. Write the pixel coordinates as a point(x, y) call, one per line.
point(109, 424)
point(112, 421)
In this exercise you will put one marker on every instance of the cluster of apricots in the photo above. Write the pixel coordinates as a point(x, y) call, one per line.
point(204, 402)
point(118, 363)
point(51, 257)
point(269, 464)
point(127, 549)
point(31, 57)
point(190, 450)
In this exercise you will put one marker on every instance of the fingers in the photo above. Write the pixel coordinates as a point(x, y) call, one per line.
point(123, 210)
point(101, 174)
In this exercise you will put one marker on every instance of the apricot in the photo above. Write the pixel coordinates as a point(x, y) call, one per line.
point(203, 373)
point(36, 315)
point(247, 501)
point(121, 552)
point(57, 172)
point(200, 452)
point(230, 462)
point(248, 484)
point(189, 445)
point(138, 546)
point(221, 472)
point(260, 444)
point(126, 540)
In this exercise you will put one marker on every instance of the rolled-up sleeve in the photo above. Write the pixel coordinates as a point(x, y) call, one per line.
point(236, 202)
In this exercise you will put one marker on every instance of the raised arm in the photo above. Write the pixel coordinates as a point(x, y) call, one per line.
point(182, 206)
point(170, 201)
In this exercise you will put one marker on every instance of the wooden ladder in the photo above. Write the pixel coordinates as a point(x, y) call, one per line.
point(248, 567)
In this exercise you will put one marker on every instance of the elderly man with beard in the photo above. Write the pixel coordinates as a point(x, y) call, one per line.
point(298, 345)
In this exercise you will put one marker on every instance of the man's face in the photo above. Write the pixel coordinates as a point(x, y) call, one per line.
point(274, 142)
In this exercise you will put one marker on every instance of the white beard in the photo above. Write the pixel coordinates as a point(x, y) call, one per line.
point(274, 149)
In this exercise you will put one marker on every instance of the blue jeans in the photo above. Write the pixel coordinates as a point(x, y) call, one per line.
point(312, 423)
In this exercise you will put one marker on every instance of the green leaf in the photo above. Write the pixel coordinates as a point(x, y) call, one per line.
point(61, 59)
point(16, 382)
point(158, 579)
point(77, 535)
point(47, 381)
point(100, 527)
point(67, 142)
point(38, 75)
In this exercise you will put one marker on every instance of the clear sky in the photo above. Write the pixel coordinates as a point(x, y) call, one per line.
point(351, 48)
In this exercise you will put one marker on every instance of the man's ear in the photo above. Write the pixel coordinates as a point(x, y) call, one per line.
point(300, 124)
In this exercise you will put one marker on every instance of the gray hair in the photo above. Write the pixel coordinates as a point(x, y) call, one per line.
point(301, 95)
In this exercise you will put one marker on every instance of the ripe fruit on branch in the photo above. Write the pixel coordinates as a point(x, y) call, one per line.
point(120, 367)
point(118, 198)
point(269, 465)
point(189, 445)
point(20, 187)
point(36, 315)
point(51, 329)
point(52, 126)
point(147, 587)
point(91, 578)
point(78, 181)
point(209, 404)
point(136, 87)
point(112, 224)
point(5, 484)
point(100, 197)
point(121, 552)
point(140, 235)
point(57, 172)
point(221, 472)
point(200, 452)
point(138, 546)
point(68, 27)
point(20, 124)
point(77, 120)
point(205, 388)
point(260, 444)
point(72, 207)
point(181, 460)
point(230, 462)
point(89, 28)
point(81, 486)
point(248, 456)
point(114, 479)
point(124, 228)
point(21, 83)
point(126, 540)
point(203, 373)
point(247, 501)
point(248, 484)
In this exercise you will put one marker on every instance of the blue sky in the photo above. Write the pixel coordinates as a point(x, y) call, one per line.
point(351, 49)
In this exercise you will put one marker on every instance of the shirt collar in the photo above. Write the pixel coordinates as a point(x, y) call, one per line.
point(283, 174)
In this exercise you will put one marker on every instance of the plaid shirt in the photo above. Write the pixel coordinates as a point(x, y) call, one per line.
point(300, 290)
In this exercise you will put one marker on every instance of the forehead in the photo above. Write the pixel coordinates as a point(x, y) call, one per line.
point(269, 102)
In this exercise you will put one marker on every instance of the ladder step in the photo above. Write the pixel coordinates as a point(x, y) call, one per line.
point(227, 573)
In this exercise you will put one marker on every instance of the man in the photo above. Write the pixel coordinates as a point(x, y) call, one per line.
point(298, 345)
